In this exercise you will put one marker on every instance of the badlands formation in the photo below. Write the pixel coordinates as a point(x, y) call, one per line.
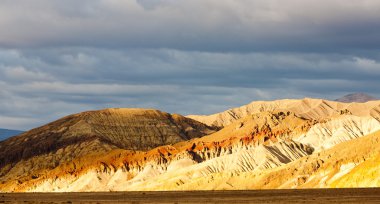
point(308, 143)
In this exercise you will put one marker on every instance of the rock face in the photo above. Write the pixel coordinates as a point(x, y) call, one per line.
point(326, 135)
point(356, 97)
point(307, 143)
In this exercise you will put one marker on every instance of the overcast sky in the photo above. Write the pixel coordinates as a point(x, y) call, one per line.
point(184, 56)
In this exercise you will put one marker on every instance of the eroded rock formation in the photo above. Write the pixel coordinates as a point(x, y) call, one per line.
point(280, 144)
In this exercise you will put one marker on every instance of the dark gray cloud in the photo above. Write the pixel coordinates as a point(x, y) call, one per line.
point(44, 84)
point(202, 25)
point(189, 57)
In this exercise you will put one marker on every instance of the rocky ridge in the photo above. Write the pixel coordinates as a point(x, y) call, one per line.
point(309, 108)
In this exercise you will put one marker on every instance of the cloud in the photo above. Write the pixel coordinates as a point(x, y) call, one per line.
point(79, 59)
point(190, 57)
point(18, 123)
point(20, 74)
point(201, 25)
point(53, 82)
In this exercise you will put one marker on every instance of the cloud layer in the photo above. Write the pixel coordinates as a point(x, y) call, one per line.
point(206, 25)
point(199, 56)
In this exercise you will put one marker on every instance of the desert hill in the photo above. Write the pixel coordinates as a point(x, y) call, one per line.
point(353, 163)
point(309, 108)
point(279, 144)
point(265, 163)
point(92, 133)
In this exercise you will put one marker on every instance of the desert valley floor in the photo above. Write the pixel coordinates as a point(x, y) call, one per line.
point(353, 195)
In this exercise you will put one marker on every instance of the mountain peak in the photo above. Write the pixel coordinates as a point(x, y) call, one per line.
point(356, 97)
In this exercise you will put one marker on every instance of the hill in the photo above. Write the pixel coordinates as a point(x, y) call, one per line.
point(94, 133)
point(315, 109)
point(277, 144)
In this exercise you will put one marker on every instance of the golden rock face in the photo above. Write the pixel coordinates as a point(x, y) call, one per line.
point(309, 108)
point(307, 143)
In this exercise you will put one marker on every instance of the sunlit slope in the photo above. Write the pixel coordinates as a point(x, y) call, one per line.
point(353, 163)
point(327, 134)
point(299, 173)
point(254, 146)
point(138, 149)
point(308, 108)
point(246, 135)
point(339, 166)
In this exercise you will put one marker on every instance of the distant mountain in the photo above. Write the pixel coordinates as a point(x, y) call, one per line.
point(5, 133)
point(356, 97)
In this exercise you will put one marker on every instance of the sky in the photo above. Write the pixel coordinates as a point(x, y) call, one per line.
point(180, 56)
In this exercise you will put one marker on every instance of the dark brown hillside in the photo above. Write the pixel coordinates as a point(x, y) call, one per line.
point(132, 129)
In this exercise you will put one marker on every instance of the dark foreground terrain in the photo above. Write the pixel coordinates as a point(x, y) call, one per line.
point(364, 195)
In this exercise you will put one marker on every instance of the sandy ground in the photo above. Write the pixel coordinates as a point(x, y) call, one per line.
point(353, 195)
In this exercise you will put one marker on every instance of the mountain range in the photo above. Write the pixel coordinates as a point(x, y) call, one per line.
point(290, 143)
point(5, 133)
point(356, 97)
